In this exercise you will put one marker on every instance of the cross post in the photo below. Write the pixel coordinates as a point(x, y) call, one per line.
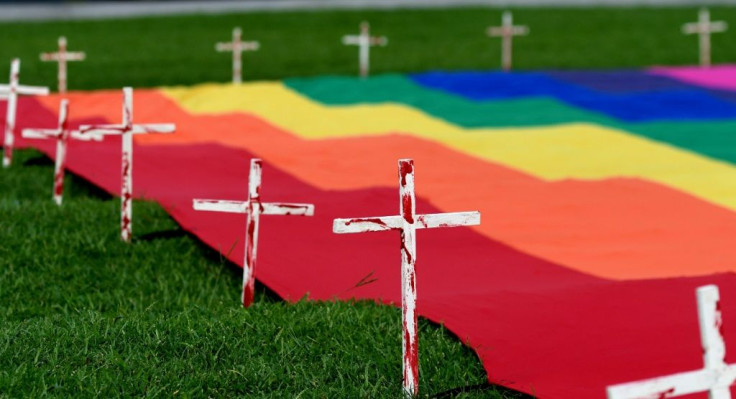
point(715, 377)
point(364, 41)
point(127, 129)
point(61, 57)
point(62, 134)
point(406, 223)
point(237, 46)
point(703, 28)
point(253, 208)
point(507, 31)
point(11, 92)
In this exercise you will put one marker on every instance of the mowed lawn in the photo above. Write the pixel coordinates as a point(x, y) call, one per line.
point(85, 315)
point(180, 50)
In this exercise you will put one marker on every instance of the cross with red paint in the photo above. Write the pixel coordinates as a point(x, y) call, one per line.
point(507, 31)
point(703, 28)
point(237, 46)
point(61, 57)
point(11, 92)
point(406, 223)
point(253, 208)
point(364, 41)
point(62, 134)
point(127, 129)
point(715, 378)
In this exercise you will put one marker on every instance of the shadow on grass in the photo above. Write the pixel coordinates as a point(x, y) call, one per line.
point(77, 187)
point(214, 257)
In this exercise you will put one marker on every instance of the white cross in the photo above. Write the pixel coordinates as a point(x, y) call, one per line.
point(62, 56)
point(62, 133)
point(364, 41)
point(10, 92)
point(407, 222)
point(127, 129)
point(237, 46)
point(507, 31)
point(715, 377)
point(704, 27)
point(253, 208)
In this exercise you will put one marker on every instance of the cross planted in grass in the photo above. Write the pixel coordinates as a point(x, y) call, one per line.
point(253, 208)
point(507, 31)
point(127, 129)
point(237, 46)
point(61, 57)
point(406, 222)
point(62, 134)
point(364, 41)
point(11, 92)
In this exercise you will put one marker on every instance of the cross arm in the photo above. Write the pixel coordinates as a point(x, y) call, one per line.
point(77, 135)
point(27, 90)
point(350, 39)
point(250, 46)
point(697, 27)
point(135, 129)
point(674, 385)
point(69, 56)
point(520, 30)
point(39, 133)
point(76, 56)
point(360, 225)
point(224, 46)
point(379, 41)
point(46, 133)
point(452, 219)
point(383, 223)
point(287, 209)
point(49, 56)
point(220, 205)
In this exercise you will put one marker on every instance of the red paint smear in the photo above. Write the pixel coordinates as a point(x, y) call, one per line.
point(127, 195)
point(407, 206)
point(375, 221)
point(248, 295)
point(411, 357)
point(719, 319)
point(666, 394)
point(59, 182)
point(405, 167)
point(405, 250)
point(250, 259)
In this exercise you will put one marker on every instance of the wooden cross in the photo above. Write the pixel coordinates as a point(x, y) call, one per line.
point(127, 129)
point(715, 377)
point(237, 46)
point(406, 223)
point(11, 92)
point(507, 31)
point(62, 133)
point(364, 41)
point(253, 208)
point(61, 57)
point(704, 27)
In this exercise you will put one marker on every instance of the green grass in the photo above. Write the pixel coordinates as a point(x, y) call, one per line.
point(85, 315)
point(180, 50)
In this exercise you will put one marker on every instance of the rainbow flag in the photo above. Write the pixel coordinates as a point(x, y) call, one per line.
point(606, 199)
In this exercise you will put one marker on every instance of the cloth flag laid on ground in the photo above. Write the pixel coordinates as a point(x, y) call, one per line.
point(607, 198)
